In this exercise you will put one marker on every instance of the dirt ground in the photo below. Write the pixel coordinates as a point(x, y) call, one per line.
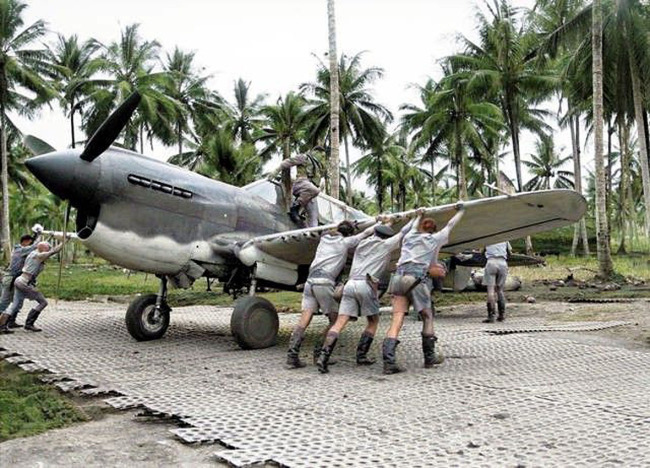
point(114, 438)
point(111, 438)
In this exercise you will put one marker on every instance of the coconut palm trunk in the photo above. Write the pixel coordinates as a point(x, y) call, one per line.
point(334, 102)
point(348, 172)
point(623, 134)
point(72, 137)
point(580, 228)
point(286, 175)
point(641, 129)
point(605, 266)
point(5, 233)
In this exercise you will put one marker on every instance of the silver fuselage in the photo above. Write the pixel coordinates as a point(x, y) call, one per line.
point(152, 216)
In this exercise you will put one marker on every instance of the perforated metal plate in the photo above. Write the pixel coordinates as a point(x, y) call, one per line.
point(512, 399)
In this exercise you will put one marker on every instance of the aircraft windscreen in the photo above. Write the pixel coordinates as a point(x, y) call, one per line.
point(329, 209)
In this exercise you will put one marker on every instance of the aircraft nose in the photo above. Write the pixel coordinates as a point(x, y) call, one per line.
point(65, 175)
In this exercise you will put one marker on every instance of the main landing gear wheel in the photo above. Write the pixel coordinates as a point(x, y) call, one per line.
point(254, 323)
point(143, 321)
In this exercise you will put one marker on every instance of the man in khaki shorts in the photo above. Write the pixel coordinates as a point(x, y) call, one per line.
point(318, 295)
point(411, 285)
point(360, 295)
point(496, 273)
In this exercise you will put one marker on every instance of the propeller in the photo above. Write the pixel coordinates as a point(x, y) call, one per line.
point(37, 146)
point(110, 128)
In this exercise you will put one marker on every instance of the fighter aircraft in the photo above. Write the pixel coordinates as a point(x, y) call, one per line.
point(147, 215)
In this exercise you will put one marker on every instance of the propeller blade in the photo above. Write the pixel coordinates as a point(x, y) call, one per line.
point(110, 128)
point(61, 254)
point(37, 146)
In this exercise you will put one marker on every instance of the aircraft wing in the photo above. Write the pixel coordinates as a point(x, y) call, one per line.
point(278, 257)
point(503, 218)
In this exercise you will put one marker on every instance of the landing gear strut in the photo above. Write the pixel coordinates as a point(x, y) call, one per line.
point(147, 317)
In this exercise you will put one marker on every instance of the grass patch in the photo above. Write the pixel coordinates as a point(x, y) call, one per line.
point(29, 407)
point(79, 282)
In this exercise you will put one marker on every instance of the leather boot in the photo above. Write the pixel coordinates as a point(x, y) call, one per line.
point(326, 352)
point(293, 354)
point(31, 319)
point(294, 213)
point(502, 310)
point(490, 310)
point(4, 319)
point(388, 353)
point(362, 350)
point(12, 323)
point(429, 351)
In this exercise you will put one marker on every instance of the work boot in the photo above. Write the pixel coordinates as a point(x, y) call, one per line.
point(502, 311)
point(12, 323)
point(4, 319)
point(294, 213)
point(388, 353)
point(490, 310)
point(326, 352)
point(293, 354)
point(31, 319)
point(431, 358)
point(362, 350)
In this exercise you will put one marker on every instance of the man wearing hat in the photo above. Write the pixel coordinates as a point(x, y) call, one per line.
point(26, 246)
point(360, 295)
point(25, 284)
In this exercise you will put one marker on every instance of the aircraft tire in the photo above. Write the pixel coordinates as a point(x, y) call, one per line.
point(254, 323)
point(141, 322)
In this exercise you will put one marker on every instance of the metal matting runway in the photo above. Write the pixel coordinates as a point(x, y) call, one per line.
point(510, 399)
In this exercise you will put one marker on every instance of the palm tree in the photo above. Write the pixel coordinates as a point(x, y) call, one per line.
point(229, 162)
point(546, 168)
point(374, 164)
point(130, 63)
point(245, 113)
point(454, 118)
point(502, 64)
point(602, 232)
point(188, 88)
point(21, 68)
point(361, 117)
point(334, 102)
point(284, 131)
point(73, 67)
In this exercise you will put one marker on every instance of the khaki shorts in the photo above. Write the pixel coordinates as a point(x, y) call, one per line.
point(496, 272)
point(319, 298)
point(360, 299)
point(419, 297)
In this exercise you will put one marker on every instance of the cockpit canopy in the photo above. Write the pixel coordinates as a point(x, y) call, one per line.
point(330, 210)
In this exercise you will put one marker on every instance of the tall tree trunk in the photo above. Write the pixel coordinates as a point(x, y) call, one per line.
point(380, 187)
point(72, 121)
point(334, 102)
point(179, 133)
point(580, 231)
point(513, 125)
point(623, 134)
point(460, 160)
point(433, 183)
point(606, 267)
point(286, 175)
point(5, 234)
point(348, 173)
point(641, 129)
